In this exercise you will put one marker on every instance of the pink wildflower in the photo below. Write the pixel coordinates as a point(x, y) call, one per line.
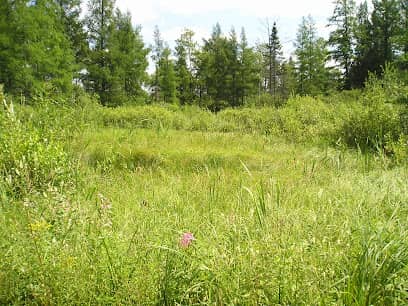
point(186, 240)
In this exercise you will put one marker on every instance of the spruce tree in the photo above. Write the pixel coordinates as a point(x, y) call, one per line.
point(402, 37)
point(6, 43)
point(288, 79)
point(213, 65)
point(274, 48)
point(232, 76)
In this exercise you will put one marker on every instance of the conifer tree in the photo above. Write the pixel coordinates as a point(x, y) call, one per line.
point(342, 38)
point(364, 49)
point(402, 37)
point(232, 76)
point(249, 78)
point(288, 79)
point(213, 64)
point(6, 43)
point(69, 12)
point(311, 53)
point(167, 77)
point(274, 48)
point(228, 70)
point(128, 57)
point(385, 22)
point(157, 54)
point(100, 24)
point(36, 51)
point(185, 51)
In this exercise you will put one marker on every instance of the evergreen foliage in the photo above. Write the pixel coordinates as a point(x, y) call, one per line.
point(385, 26)
point(311, 58)
point(274, 56)
point(342, 37)
point(129, 58)
point(46, 48)
point(249, 70)
point(117, 62)
point(167, 77)
point(364, 51)
point(32, 55)
point(185, 56)
point(227, 70)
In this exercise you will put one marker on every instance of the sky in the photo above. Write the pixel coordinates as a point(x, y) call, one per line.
point(172, 16)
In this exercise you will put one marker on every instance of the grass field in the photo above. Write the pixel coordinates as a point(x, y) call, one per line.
point(275, 222)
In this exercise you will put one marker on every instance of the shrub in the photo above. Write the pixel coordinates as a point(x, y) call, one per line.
point(265, 100)
point(370, 127)
point(399, 149)
point(29, 161)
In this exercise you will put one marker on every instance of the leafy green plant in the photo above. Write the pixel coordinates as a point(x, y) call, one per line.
point(29, 160)
point(378, 273)
point(370, 127)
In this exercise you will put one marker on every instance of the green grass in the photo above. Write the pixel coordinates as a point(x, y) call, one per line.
point(276, 222)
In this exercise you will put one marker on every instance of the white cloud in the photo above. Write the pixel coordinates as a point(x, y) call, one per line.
point(142, 11)
point(256, 8)
point(172, 16)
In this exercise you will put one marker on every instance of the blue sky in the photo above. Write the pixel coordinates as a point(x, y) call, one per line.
point(172, 16)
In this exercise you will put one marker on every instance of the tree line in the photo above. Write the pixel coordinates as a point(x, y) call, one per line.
point(45, 45)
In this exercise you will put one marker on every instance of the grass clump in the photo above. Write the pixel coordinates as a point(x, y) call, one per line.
point(378, 272)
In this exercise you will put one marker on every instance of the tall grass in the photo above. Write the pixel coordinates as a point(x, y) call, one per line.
point(277, 220)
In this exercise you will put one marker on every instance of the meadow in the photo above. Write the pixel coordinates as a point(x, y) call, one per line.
point(302, 205)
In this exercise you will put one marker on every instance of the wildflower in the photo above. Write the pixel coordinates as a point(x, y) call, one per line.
point(186, 240)
point(40, 226)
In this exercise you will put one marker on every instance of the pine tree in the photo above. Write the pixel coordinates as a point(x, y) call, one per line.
point(248, 79)
point(364, 49)
point(342, 38)
point(167, 77)
point(185, 51)
point(69, 12)
point(128, 56)
point(385, 20)
point(100, 24)
point(311, 57)
point(36, 53)
point(157, 54)
point(402, 37)
point(288, 79)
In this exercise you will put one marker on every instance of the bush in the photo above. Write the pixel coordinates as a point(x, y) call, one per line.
point(29, 161)
point(376, 122)
point(399, 149)
point(370, 127)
